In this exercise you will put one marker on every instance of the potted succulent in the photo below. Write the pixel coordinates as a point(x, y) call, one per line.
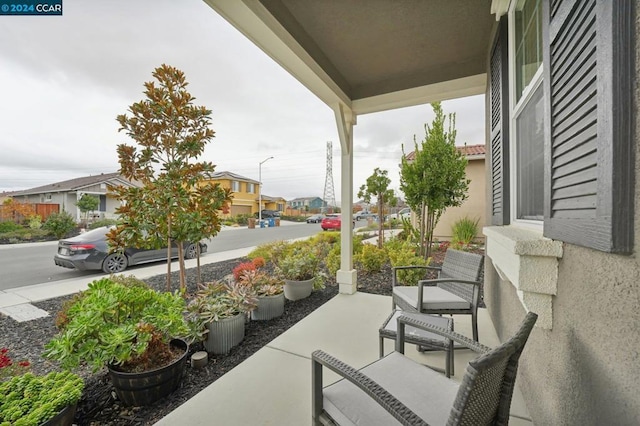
point(218, 312)
point(300, 271)
point(130, 328)
point(269, 292)
point(40, 400)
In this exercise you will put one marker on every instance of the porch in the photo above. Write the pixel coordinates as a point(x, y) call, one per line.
point(273, 387)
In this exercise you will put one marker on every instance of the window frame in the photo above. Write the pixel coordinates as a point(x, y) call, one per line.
point(516, 106)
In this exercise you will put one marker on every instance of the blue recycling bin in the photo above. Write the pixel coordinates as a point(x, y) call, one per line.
point(272, 222)
point(262, 223)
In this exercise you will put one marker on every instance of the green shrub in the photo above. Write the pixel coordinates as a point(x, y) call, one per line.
point(241, 219)
point(371, 258)
point(405, 255)
point(35, 221)
point(32, 400)
point(463, 232)
point(9, 226)
point(269, 251)
point(60, 224)
point(333, 260)
point(102, 222)
point(24, 234)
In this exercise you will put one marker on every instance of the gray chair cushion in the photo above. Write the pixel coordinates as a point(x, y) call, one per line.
point(433, 298)
point(427, 393)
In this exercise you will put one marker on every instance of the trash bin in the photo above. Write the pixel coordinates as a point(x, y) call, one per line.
point(252, 223)
point(272, 222)
point(263, 223)
point(277, 221)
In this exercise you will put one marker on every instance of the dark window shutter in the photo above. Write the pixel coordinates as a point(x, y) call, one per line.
point(589, 164)
point(499, 124)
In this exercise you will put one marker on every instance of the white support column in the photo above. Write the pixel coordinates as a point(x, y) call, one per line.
point(346, 276)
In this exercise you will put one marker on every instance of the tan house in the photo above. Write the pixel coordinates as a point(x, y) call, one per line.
point(245, 194)
point(67, 193)
point(560, 82)
point(475, 205)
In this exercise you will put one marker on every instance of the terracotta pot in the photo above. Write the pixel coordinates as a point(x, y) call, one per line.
point(224, 334)
point(269, 307)
point(296, 290)
point(137, 389)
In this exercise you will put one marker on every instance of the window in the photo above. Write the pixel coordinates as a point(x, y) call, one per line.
point(235, 186)
point(251, 188)
point(527, 111)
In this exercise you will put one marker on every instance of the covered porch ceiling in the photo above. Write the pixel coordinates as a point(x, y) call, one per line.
point(372, 55)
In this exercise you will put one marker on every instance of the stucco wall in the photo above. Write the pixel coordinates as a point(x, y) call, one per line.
point(586, 369)
point(473, 207)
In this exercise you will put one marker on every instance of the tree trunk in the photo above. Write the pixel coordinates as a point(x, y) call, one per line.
point(380, 222)
point(169, 255)
point(198, 263)
point(183, 277)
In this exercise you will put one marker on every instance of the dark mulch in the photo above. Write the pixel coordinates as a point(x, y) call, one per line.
point(99, 404)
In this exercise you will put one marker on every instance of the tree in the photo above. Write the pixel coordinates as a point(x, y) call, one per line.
point(378, 186)
point(87, 203)
point(436, 178)
point(177, 202)
point(16, 211)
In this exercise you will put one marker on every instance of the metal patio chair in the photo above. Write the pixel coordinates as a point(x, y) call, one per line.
point(397, 390)
point(455, 291)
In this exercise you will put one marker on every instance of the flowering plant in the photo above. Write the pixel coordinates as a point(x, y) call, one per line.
point(8, 368)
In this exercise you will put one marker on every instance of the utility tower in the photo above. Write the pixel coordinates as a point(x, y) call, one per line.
point(329, 196)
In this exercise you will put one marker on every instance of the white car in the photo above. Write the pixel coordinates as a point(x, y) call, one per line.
point(405, 213)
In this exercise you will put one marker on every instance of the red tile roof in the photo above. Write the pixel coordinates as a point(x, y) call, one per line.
point(468, 150)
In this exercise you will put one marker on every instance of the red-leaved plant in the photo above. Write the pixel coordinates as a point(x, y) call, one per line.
point(8, 368)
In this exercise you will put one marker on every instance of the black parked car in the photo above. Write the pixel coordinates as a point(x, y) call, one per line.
point(89, 251)
point(266, 214)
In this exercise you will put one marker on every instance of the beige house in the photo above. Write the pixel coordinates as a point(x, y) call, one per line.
point(245, 194)
point(561, 84)
point(475, 205)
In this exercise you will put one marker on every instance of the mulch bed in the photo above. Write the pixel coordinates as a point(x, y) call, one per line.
point(99, 404)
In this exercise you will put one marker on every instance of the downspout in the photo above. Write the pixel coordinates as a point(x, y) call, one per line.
point(346, 276)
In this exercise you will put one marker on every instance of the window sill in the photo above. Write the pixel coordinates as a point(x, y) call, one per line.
point(529, 262)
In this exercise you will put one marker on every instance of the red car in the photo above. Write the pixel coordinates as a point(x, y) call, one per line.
point(332, 221)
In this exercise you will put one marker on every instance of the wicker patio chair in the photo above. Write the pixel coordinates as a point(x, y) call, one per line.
point(397, 390)
point(455, 291)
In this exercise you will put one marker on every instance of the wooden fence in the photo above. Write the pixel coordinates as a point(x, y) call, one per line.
point(41, 209)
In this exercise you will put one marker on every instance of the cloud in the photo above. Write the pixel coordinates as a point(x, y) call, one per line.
point(69, 77)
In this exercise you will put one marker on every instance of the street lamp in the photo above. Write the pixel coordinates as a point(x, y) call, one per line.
point(260, 189)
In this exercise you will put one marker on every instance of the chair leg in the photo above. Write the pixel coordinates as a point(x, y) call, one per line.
point(316, 392)
point(474, 325)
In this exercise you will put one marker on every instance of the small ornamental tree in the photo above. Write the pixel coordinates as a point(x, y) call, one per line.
point(16, 211)
point(377, 187)
point(436, 178)
point(87, 203)
point(177, 202)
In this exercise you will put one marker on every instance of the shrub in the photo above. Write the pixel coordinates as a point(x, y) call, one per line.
point(269, 251)
point(243, 267)
point(405, 255)
point(9, 226)
point(115, 323)
point(10, 368)
point(33, 400)
point(371, 258)
point(463, 232)
point(24, 234)
point(102, 222)
point(60, 224)
point(35, 221)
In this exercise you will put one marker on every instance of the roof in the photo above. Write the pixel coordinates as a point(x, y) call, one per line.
point(472, 152)
point(305, 199)
point(372, 55)
point(232, 176)
point(73, 184)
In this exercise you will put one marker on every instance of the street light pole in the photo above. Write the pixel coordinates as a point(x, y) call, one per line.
point(260, 189)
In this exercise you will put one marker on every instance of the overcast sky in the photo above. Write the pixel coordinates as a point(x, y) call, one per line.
point(66, 78)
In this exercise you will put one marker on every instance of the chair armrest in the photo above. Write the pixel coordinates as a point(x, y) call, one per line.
point(435, 281)
point(397, 409)
point(456, 337)
point(395, 269)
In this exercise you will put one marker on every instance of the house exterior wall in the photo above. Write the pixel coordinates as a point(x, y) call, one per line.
point(243, 202)
point(473, 207)
point(584, 369)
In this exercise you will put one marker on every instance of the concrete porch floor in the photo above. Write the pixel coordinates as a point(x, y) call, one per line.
point(273, 386)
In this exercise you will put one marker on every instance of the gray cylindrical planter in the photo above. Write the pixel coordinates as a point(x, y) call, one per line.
point(269, 307)
point(296, 290)
point(224, 334)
